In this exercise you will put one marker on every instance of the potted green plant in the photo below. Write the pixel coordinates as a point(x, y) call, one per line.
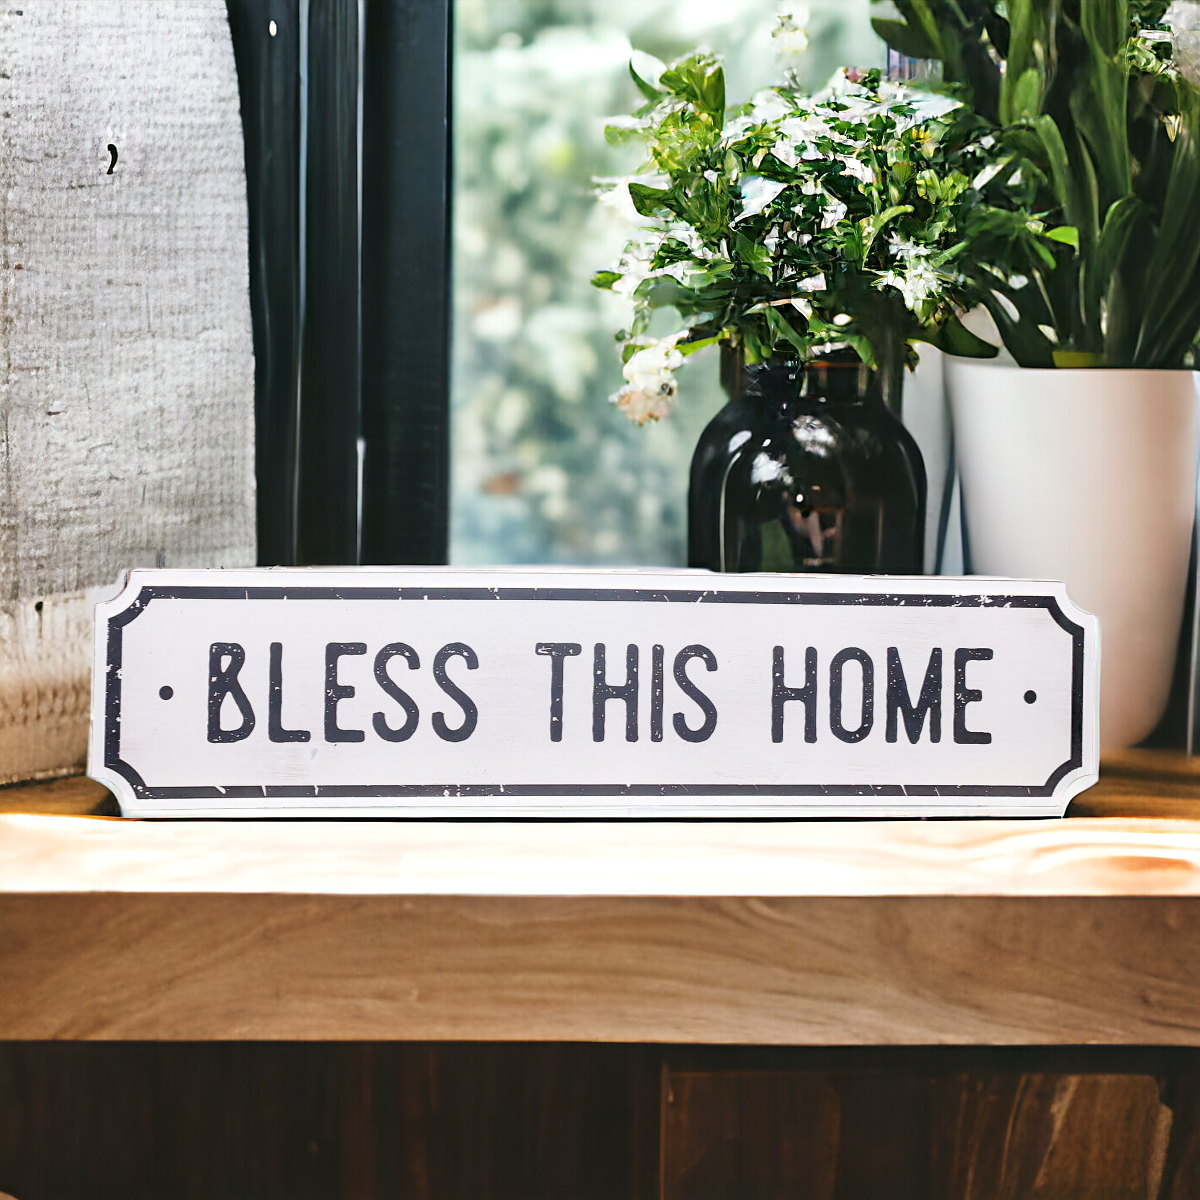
point(1078, 455)
point(818, 239)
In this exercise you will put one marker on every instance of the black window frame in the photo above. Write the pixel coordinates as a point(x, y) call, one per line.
point(346, 109)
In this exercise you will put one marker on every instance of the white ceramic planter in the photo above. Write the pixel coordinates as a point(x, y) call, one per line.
point(1088, 476)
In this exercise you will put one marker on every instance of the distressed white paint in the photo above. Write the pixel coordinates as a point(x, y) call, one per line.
point(238, 693)
point(126, 368)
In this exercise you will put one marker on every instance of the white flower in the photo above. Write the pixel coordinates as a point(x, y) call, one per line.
point(654, 363)
point(785, 151)
point(651, 385)
point(926, 106)
point(917, 281)
point(641, 407)
point(856, 168)
point(861, 105)
point(768, 105)
point(790, 33)
point(692, 240)
point(634, 267)
point(737, 129)
point(1183, 20)
point(908, 251)
point(809, 126)
point(835, 210)
point(915, 284)
point(798, 135)
point(757, 193)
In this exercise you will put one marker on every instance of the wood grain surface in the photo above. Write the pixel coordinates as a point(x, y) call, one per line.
point(1143, 783)
point(805, 933)
point(70, 796)
point(1085, 857)
point(783, 970)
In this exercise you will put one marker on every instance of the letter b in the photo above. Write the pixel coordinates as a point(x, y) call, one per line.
point(222, 682)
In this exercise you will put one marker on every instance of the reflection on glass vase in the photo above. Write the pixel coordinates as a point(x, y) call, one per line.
point(806, 469)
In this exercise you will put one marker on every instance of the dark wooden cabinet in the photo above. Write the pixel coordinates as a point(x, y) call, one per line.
point(934, 1130)
point(526, 1121)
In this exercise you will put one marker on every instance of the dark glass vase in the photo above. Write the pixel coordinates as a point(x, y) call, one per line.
point(806, 469)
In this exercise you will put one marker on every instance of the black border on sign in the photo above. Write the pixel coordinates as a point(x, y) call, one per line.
point(112, 693)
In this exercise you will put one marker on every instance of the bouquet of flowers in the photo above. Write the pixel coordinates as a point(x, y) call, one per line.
point(797, 226)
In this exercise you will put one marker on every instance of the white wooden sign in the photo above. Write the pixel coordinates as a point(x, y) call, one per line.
point(442, 693)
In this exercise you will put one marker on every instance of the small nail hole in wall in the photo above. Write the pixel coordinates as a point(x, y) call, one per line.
point(112, 166)
point(38, 607)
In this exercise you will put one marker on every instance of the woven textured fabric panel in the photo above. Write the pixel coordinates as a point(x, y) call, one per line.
point(126, 360)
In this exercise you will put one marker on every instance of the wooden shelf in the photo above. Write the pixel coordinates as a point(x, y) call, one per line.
point(805, 933)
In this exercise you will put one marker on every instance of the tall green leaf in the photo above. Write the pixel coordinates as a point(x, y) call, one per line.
point(1104, 24)
point(1175, 257)
point(1181, 332)
point(907, 39)
point(647, 89)
point(928, 21)
point(780, 327)
point(954, 337)
point(1125, 302)
point(1025, 74)
point(648, 200)
point(1060, 167)
point(1025, 341)
point(1119, 222)
point(1099, 110)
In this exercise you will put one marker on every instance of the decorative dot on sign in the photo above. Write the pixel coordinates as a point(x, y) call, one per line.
point(1030, 697)
point(166, 691)
point(272, 29)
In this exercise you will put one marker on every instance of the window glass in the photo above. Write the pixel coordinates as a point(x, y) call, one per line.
point(544, 470)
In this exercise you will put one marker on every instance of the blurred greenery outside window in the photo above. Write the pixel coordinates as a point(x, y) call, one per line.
point(544, 470)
